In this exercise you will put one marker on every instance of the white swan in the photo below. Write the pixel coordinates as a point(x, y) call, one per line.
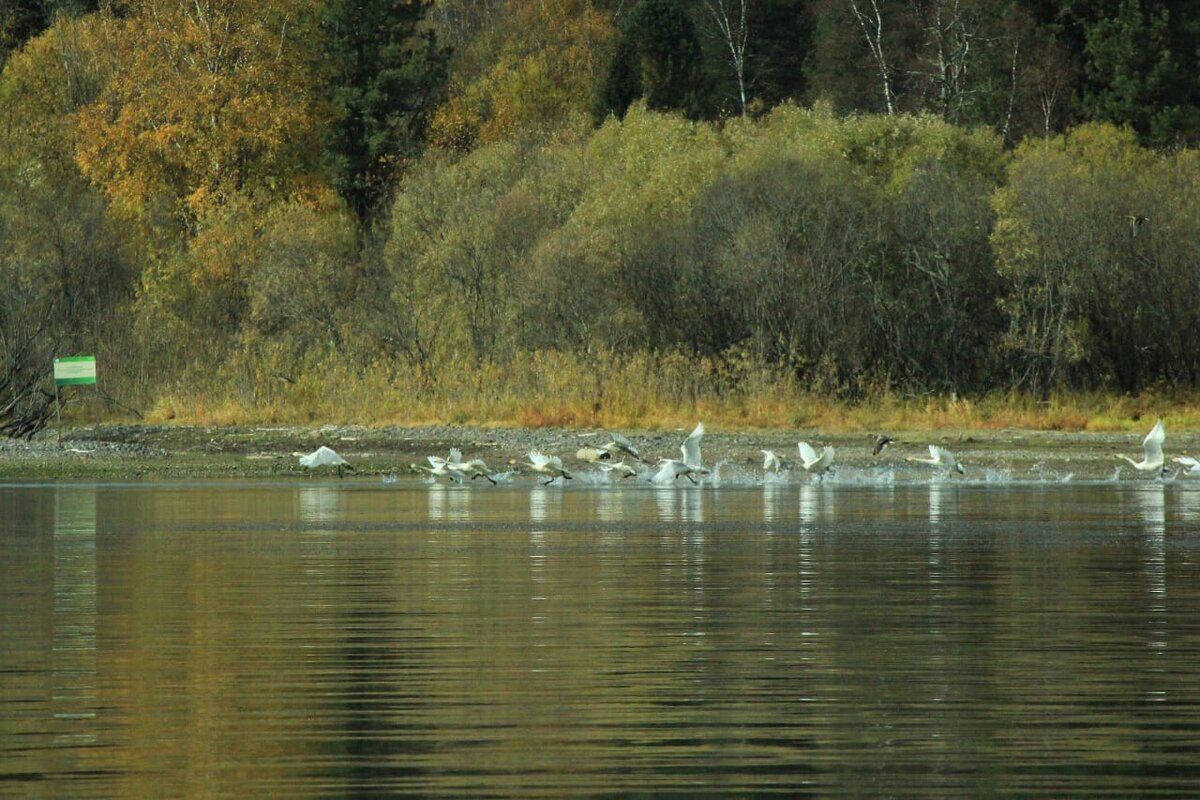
point(620, 444)
point(593, 455)
point(1190, 464)
point(772, 461)
point(1152, 451)
point(440, 467)
point(619, 468)
point(551, 466)
point(938, 457)
point(325, 457)
point(464, 470)
point(671, 468)
point(814, 463)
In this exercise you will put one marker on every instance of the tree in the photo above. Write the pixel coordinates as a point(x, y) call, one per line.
point(64, 274)
point(657, 56)
point(22, 20)
point(532, 74)
point(1130, 67)
point(388, 72)
point(208, 100)
point(729, 20)
point(780, 37)
point(870, 19)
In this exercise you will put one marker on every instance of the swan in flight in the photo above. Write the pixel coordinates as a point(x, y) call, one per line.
point(619, 468)
point(472, 469)
point(1190, 464)
point(551, 466)
point(814, 463)
point(436, 468)
point(1152, 458)
point(671, 468)
point(620, 444)
point(454, 468)
point(773, 462)
point(325, 457)
point(938, 457)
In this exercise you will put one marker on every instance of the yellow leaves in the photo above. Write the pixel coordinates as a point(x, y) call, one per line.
point(455, 125)
point(43, 84)
point(546, 58)
point(210, 100)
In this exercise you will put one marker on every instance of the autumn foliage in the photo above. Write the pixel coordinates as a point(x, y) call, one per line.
point(462, 207)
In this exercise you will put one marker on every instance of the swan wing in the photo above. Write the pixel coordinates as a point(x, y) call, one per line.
point(455, 456)
point(691, 446)
point(537, 459)
point(322, 456)
point(1187, 461)
point(1152, 445)
point(942, 456)
point(827, 456)
point(770, 461)
point(666, 471)
point(436, 461)
point(808, 456)
point(619, 442)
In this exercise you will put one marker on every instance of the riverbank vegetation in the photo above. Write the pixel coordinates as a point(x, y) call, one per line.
point(842, 214)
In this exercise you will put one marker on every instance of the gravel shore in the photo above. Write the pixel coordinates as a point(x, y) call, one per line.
point(120, 452)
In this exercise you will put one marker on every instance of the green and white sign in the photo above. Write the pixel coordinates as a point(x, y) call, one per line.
point(74, 370)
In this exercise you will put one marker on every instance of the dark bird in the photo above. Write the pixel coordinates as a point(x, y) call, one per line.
point(1136, 221)
point(881, 442)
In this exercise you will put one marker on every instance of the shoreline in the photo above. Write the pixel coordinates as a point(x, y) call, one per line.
point(178, 452)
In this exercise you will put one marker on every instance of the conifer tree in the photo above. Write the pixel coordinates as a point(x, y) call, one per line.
point(657, 56)
point(388, 73)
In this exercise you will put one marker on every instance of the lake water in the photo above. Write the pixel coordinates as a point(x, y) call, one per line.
point(357, 638)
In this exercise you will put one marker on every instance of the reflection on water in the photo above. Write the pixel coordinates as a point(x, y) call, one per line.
point(74, 638)
point(448, 502)
point(319, 503)
point(349, 639)
point(1151, 498)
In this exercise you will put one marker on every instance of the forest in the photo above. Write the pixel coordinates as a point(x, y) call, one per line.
point(595, 211)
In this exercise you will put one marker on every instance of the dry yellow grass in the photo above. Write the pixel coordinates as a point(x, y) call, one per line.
point(647, 391)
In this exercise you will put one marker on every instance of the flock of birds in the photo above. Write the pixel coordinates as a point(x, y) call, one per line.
point(620, 459)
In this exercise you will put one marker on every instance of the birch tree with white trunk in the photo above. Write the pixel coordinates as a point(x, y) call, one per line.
point(730, 20)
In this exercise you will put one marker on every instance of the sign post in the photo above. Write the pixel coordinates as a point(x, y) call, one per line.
point(71, 371)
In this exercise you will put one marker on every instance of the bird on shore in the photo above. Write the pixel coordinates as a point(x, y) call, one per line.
point(938, 457)
point(882, 440)
point(593, 455)
point(550, 466)
point(816, 463)
point(325, 457)
point(690, 465)
point(1152, 451)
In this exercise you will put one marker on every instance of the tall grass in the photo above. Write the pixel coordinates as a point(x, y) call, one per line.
point(638, 391)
